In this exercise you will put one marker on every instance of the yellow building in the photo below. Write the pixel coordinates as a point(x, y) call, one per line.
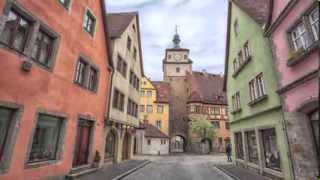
point(154, 104)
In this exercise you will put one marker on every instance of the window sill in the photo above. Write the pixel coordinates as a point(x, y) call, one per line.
point(299, 55)
point(235, 74)
point(39, 164)
point(85, 88)
point(259, 99)
point(236, 111)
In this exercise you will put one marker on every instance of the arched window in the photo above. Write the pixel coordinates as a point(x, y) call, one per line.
point(315, 123)
point(110, 145)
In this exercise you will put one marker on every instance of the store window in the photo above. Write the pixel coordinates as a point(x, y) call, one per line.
point(252, 147)
point(271, 151)
point(239, 145)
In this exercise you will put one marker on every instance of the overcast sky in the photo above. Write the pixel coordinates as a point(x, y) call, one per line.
point(201, 25)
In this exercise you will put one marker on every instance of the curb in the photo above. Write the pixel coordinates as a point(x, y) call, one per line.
point(119, 177)
point(227, 173)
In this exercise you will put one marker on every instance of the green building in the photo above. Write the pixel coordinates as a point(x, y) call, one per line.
point(259, 141)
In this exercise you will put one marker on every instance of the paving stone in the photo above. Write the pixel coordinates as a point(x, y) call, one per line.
point(111, 171)
point(239, 173)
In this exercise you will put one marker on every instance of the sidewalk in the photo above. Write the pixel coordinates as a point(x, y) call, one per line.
point(238, 173)
point(111, 172)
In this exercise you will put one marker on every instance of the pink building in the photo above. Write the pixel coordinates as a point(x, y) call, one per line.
point(294, 32)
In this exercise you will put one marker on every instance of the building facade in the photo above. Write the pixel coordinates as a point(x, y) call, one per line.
point(123, 114)
point(54, 84)
point(294, 34)
point(151, 140)
point(154, 104)
point(207, 101)
point(258, 137)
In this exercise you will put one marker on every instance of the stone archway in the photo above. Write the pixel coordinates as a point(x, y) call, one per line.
point(206, 145)
point(126, 146)
point(178, 144)
point(111, 145)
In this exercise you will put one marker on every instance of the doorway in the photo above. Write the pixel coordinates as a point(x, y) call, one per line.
point(82, 144)
point(126, 146)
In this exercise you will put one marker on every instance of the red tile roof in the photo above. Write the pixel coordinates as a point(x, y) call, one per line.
point(206, 88)
point(151, 131)
point(118, 22)
point(257, 9)
point(163, 91)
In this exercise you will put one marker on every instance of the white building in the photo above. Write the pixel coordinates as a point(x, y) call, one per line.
point(151, 141)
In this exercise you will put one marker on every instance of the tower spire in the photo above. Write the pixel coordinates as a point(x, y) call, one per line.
point(176, 38)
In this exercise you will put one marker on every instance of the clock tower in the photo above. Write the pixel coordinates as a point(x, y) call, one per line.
point(176, 62)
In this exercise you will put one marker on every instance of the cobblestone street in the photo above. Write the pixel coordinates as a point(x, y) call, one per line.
point(181, 167)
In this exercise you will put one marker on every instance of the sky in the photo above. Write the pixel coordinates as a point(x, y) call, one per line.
point(201, 25)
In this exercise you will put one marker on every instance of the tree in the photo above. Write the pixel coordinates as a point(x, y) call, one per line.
point(202, 128)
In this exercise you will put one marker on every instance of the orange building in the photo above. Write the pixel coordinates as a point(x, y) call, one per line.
point(53, 86)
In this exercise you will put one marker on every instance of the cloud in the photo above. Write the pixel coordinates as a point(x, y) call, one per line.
point(202, 28)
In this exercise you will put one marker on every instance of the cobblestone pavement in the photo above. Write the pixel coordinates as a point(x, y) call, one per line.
point(110, 171)
point(181, 167)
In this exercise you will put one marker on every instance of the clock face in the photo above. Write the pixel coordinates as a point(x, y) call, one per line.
point(177, 56)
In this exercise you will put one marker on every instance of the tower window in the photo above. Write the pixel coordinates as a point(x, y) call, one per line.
point(177, 69)
point(169, 56)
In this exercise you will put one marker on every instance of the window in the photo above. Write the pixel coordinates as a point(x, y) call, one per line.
point(86, 75)
point(314, 22)
point(236, 101)
point(239, 145)
point(142, 108)
point(246, 51)
point(163, 141)
point(45, 139)
point(132, 108)
point(227, 125)
point(169, 56)
point(216, 110)
point(198, 109)
point(240, 58)
point(65, 3)
point(16, 31)
point(42, 48)
point(220, 141)
point(252, 147)
point(118, 100)
point(134, 28)
point(81, 72)
point(300, 37)
point(185, 56)
point(315, 126)
point(270, 149)
point(89, 22)
point(142, 93)
point(177, 69)
point(235, 65)
point(135, 53)
point(149, 141)
point(149, 109)
point(158, 124)
point(149, 93)
point(160, 109)
point(93, 79)
point(122, 66)
point(236, 27)
point(134, 80)
point(192, 108)
point(6, 116)
point(216, 124)
point(129, 41)
point(257, 87)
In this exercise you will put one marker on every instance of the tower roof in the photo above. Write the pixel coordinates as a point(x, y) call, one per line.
point(176, 39)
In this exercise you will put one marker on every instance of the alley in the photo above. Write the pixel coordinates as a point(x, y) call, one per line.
point(181, 167)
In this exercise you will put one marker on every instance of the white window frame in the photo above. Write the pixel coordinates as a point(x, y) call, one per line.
point(314, 22)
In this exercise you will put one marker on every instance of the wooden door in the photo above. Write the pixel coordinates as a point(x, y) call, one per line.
point(125, 147)
point(82, 143)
